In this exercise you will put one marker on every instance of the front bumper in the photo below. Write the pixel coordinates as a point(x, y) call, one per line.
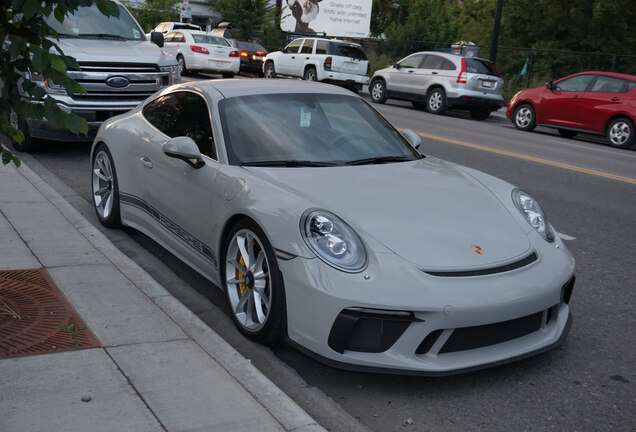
point(454, 324)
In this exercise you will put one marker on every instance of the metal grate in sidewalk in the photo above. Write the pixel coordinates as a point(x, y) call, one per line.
point(36, 318)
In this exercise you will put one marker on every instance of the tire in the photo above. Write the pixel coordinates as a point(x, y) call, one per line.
point(419, 105)
point(105, 188)
point(436, 101)
point(479, 114)
point(565, 133)
point(254, 292)
point(377, 90)
point(227, 75)
point(182, 66)
point(310, 74)
point(28, 144)
point(620, 133)
point(524, 117)
point(270, 71)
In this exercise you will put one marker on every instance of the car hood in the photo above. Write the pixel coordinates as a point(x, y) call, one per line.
point(105, 50)
point(429, 212)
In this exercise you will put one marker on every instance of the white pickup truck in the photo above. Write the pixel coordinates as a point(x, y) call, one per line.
point(317, 59)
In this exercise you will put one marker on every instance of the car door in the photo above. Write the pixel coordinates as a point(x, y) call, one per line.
point(304, 55)
point(559, 105)
point(285, 61)
point(169, 44)
point(179, 196)
point(404, 78)
point(433, 69)
point(604, 98)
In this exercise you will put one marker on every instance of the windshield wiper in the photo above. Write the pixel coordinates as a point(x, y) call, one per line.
point(380, 160)
point(67, 35)
point(289, 163)
point(103, 36)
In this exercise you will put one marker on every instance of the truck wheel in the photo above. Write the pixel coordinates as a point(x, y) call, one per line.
point(28, 144)
point(310, 74)
point(270, 72)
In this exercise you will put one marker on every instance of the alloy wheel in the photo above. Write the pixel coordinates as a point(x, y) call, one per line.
point(248, 280)
point(619, 133)
point(524, 117)
point(103, 185)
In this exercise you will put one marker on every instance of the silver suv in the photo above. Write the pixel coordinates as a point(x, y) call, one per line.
point(316, 59)
point(437, 81)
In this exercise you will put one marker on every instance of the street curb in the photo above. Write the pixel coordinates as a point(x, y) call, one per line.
point(287, 412)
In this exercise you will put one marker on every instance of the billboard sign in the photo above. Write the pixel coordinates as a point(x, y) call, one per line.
point(350, 18)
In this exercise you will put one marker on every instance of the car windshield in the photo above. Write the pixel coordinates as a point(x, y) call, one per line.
point(89, 22)
point(309, 130)
point(209, 39)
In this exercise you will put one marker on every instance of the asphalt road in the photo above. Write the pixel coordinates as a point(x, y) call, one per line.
point(589, 384)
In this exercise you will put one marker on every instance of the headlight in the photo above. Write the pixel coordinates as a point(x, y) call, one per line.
point(333, 241)
point(175, 76)
point(531, 211)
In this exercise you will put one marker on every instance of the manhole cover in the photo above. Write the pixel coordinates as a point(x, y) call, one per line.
point(36, 318)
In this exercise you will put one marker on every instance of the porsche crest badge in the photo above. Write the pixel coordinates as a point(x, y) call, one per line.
point(477, 249)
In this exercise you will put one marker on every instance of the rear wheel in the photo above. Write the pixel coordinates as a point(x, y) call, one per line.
point(524, 117)
point(479, 114)
point(105, 188)
point(310, 74)
point(377, 89)
point(182, 65)
point(565, 133)
point(270, 72)
point(620, 133)
point(436, 101)
point(253, 284)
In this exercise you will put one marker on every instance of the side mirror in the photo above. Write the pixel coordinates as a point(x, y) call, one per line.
point(396, 65)
point(157, 38)
point(550, 85)
point(184, 148)
point(413, 138)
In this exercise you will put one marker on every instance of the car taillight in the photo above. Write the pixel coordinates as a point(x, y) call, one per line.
point(462, 78)
point(328, 63)
point(198, 49)
point(260, 53)
point(243, 54)
point(234, 54)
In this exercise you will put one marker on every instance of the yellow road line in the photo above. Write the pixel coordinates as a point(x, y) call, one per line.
point(533, 159)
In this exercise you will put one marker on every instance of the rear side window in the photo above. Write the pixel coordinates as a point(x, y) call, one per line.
point(432, 62)
point(480, 66)
point(322, 46)
point(346, 50)
point(607, 84)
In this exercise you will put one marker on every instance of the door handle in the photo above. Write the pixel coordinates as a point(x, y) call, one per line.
point(615, 99)
point(146, 162)
point(433, 73)
point(411, 71)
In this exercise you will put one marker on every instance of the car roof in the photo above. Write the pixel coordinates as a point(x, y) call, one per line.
point(235, 88)
point(610, 74)
point(450, 55)
point(331, 40)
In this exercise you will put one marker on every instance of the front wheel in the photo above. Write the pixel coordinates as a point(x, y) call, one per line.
point(436, 101)
point(377, 89)
point(524, 117)
point(105, 188)
point(253, 284)
point(310, 74)
point(620, 133)
point(270, 72)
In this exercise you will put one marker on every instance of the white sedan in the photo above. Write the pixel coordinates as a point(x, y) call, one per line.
point(326, 228)
point(198, 51)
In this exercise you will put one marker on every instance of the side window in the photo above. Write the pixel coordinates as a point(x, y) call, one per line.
point(432, 62)
point(179, 37)
point(447, 65)
point(169, 37)
point(322, 46)
point(412, 61)
point(577, 83)
point(607, 84)
point(183, 114)
point(293, 46)
point(308, 46)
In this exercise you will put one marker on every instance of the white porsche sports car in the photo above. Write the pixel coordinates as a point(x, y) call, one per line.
point(327, 229)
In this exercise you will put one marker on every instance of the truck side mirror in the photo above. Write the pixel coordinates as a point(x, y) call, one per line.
point(157, 38)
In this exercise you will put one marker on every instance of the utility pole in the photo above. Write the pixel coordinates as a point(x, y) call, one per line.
point(495, 32)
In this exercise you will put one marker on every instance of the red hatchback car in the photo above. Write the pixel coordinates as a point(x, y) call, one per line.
point(594, 102)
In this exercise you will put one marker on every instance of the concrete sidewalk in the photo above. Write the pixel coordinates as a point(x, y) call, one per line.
point(159, 367)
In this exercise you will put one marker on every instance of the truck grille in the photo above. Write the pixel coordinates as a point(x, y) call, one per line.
point(143, 81)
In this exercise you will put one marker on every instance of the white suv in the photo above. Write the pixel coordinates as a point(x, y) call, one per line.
point(437, 81)
point(316, 59)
